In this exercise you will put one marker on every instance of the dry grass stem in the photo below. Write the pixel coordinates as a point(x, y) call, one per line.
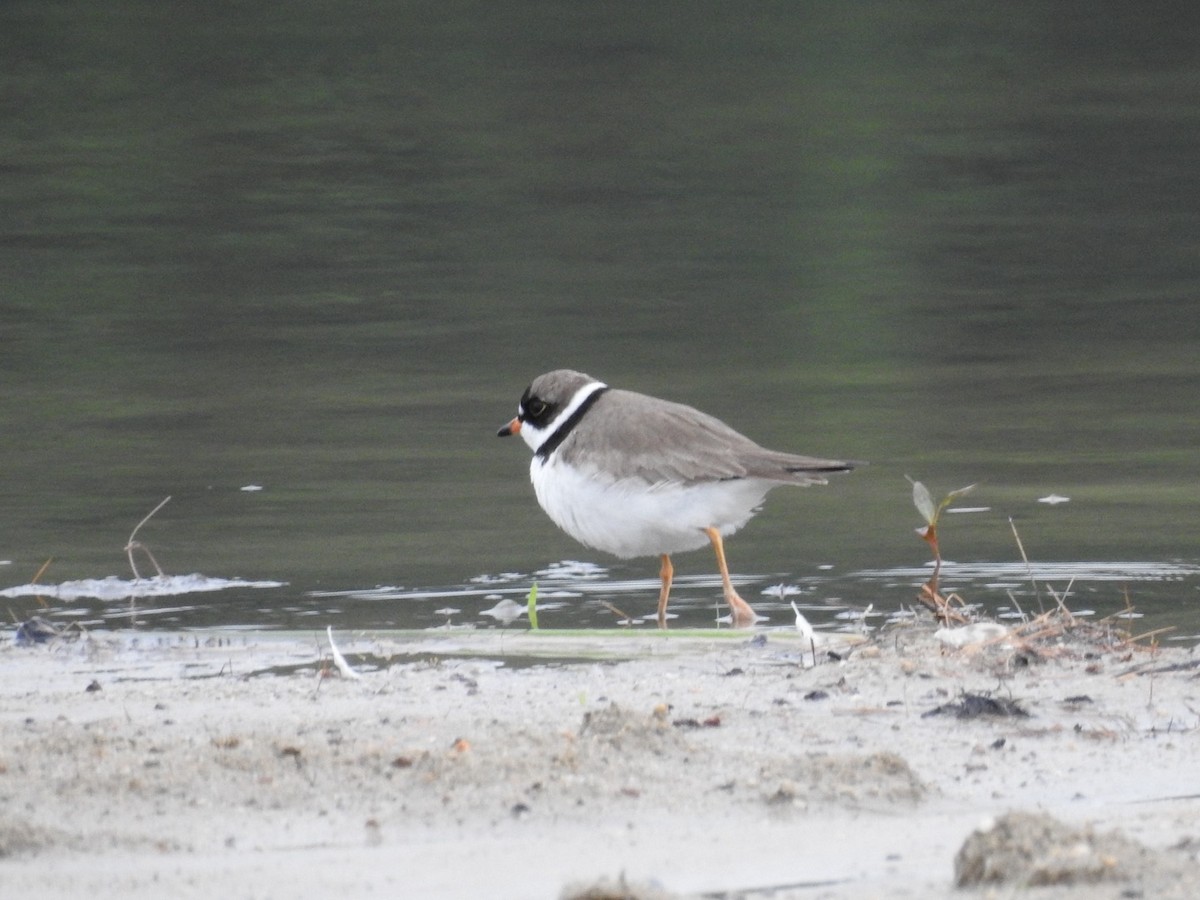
point(942, 607)
point(1025, 558)
point(133, 544)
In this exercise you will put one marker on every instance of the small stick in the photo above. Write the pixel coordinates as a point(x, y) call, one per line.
point(46, 565)
point(1020, 612)
point(1147, 634)
point(40, 573)
point(624, 615)
point(1062, 601)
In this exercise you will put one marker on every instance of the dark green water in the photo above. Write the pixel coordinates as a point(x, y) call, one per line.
point(322, 248)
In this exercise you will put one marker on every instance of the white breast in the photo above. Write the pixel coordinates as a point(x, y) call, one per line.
point(632, 518)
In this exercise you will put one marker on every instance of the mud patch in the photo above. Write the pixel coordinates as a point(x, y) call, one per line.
point(1033, 850)
point(615, 889)
point(853, 780)
point(975, 706)
point(442, 777)
point(21, 839)
point(621, 729)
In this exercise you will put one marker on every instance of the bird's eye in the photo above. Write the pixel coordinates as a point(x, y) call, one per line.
point(535, 408)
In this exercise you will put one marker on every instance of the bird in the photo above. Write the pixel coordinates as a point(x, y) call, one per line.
point(633, 475)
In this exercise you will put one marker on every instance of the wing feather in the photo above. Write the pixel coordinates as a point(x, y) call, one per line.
point(633, 435)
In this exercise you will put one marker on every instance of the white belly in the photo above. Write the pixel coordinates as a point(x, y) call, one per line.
point(631, 518)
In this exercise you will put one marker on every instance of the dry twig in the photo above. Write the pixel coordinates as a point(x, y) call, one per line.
point(133, 544)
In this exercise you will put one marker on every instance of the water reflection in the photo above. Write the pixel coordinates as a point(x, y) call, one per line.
point(573, 595)
point(324, 255)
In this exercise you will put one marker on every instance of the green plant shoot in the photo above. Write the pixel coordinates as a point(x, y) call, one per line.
point(931, 512)
point(531, 606)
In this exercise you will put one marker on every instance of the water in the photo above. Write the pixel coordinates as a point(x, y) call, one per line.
point(322, 252)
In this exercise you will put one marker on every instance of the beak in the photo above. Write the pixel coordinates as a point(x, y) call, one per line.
point(513, 427)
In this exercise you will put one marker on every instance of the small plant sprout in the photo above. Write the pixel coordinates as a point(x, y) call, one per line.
point(134, 544)
point(338, 659)
point(531, 606)
point(802, 624)
point(806, 632)
point(932, 512)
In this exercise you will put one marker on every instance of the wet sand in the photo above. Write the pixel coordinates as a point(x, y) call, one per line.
point(516, 765)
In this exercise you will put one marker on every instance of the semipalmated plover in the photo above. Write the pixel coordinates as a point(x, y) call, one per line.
point(634, 475)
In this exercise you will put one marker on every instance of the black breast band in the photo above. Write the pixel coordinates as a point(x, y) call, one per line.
point(564, 430)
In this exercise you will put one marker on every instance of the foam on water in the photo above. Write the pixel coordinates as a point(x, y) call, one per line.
point(114, 588)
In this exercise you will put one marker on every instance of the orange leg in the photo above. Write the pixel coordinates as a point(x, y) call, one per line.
point(739, 610)
point(667, 572)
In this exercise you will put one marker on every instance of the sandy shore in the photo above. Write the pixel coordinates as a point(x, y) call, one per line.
point(514, 765)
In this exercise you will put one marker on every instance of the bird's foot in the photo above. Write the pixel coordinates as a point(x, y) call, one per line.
point(740, 612)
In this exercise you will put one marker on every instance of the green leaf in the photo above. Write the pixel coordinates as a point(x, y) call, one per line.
point(923, 501)
point(961, 492)
point(954, 495)
point(929, 510)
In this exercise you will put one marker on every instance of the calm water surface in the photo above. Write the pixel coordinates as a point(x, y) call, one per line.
point(322, 251)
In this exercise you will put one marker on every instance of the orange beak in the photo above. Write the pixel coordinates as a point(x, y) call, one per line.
point(513, 427)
